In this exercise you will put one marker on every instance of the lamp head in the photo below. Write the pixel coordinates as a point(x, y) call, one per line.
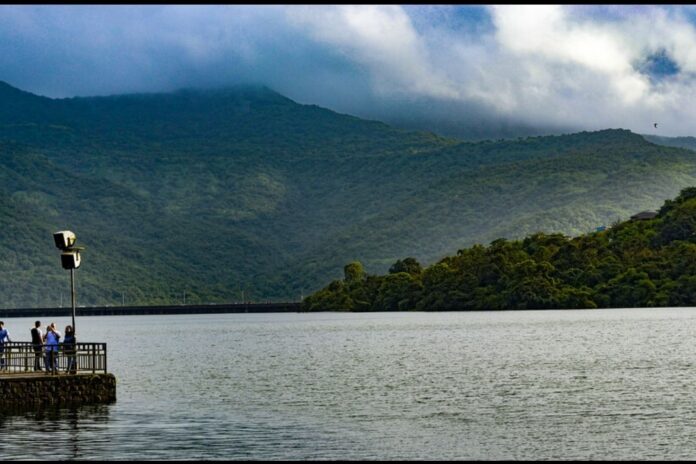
point(70, 259)
point(64, 239)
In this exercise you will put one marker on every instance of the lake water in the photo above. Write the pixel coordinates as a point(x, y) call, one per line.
point(598, 384)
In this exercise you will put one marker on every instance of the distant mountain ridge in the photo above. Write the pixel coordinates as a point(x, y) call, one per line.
point(218, 192)
point(679, 142)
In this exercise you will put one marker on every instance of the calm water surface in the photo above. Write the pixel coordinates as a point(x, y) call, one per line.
point(602, 384)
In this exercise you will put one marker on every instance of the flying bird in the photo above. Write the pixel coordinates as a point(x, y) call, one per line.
point(655, 124)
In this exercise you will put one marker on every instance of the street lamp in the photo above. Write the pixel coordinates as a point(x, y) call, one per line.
point(69, 259)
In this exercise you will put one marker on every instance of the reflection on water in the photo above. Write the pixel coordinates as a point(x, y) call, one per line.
point(609, 384)
point(56, 433)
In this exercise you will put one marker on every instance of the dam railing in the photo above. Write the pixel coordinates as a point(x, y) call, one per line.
point(77, 358)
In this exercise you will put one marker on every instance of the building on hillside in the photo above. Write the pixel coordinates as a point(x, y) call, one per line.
point(643, 215)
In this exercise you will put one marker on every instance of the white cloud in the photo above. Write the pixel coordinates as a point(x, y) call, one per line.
point(540, 64)
point(549, 33)
point(380, 39)
point(546, 64)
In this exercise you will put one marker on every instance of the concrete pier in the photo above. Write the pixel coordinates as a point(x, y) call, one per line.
point(32, 390)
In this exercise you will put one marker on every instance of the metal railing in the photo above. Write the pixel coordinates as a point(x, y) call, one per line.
point(22, 357)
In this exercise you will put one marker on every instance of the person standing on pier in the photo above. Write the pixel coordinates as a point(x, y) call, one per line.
point(37, 343)
point(4, 335)
point(69, 349)
point(52, 336)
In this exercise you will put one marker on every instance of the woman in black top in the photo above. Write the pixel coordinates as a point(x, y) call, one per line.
point(69, 350)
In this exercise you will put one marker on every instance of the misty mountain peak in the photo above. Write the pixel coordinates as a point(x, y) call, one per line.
point(9, 92)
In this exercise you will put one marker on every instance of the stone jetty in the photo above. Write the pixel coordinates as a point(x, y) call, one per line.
point(32, 390)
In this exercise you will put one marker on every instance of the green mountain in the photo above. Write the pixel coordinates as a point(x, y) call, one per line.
point(680, 142)
point(648, 261)
point(215, 193)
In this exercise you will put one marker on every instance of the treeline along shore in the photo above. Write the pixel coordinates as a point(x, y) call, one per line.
point(648, 261)
point(144, 310)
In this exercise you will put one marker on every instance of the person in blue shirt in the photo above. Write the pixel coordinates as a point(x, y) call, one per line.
point(4, 336)
point(52, 338)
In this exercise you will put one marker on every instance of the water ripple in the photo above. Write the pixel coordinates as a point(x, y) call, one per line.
point(545, 385)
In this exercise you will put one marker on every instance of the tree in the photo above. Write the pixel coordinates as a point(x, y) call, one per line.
point(399, 291)
point(353, 273)
point(332, 298)
point(631, 289)
point(408, 265)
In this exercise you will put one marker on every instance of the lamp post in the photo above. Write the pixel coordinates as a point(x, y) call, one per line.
point(69, 259)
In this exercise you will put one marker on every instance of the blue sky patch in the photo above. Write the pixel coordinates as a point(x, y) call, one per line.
point(658, 66)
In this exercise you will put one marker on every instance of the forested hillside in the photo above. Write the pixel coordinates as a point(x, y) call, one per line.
point(680, 142)
point(636, 263)
point(213, 193)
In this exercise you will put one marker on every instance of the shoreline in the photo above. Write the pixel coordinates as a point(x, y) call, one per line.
point(229, 308)
point(213, 308)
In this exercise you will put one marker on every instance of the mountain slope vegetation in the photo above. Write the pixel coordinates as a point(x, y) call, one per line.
point(636, 263)
point(214, 193)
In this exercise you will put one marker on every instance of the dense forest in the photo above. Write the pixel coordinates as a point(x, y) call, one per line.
point(635, 263)
point(241, 192)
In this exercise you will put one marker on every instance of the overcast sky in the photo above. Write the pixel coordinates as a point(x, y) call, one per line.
point(589, 67)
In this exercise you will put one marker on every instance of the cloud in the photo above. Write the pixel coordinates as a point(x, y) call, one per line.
point(547, 65)
point(380, 38)
point(582, 66)
point(597, 60)
point(81, 50)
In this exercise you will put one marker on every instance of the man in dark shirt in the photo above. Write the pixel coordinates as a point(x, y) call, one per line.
point(37, 342)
